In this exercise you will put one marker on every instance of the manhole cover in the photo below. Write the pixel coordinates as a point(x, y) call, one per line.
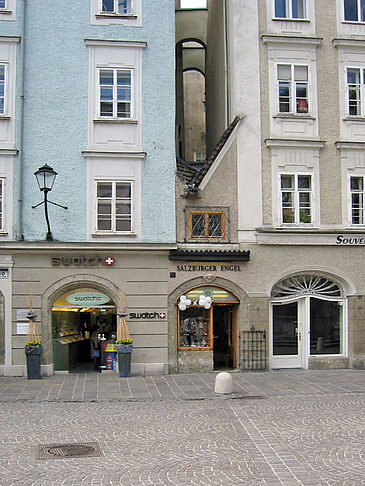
point(63, 451)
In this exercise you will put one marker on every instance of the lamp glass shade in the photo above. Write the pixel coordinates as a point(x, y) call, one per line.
point(45, 176)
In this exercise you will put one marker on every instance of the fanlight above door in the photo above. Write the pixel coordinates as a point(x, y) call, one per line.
point(299, 285)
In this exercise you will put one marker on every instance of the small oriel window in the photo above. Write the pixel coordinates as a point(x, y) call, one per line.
point(208, 224)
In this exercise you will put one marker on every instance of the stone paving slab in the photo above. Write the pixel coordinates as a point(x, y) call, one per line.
point(282, 440)
point(109, 387)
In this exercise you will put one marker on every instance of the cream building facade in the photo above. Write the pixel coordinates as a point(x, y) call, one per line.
point(290, 169)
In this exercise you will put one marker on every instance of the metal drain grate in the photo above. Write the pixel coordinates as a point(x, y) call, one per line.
point(64, 451)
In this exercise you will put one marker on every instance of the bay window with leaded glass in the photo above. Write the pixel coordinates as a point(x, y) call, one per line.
point(207, 224)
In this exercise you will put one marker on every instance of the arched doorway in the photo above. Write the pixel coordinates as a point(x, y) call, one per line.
point(190, 100)
point(207, 325)
point(83, 323)
point(308, 319)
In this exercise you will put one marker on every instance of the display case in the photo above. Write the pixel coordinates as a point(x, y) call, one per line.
point(195, 328)
point(66, 340)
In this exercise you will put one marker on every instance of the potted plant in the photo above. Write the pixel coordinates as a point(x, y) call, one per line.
point(123, 343)
point(33, 347)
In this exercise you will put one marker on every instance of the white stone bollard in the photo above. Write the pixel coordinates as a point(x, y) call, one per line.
point(223, 383)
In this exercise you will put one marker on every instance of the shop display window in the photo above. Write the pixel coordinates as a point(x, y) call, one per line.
point(65, 327)
point(195, 328)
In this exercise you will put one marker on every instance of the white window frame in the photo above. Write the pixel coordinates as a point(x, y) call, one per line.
point(200, 157)
point(4, 111)
point(4, 6)
point(8, 11)
point(289, 11)
point(293, 89)
point(115, 94)
point(115, 11)
point(360, 90)
point(113, 229)
point(296, 199)
point(2, 204)
point(359, 2)
point(361, 208)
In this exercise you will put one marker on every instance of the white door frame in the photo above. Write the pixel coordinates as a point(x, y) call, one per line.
point(301, 360)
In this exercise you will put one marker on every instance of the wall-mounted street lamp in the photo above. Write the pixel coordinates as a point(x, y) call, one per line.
point(46, 176)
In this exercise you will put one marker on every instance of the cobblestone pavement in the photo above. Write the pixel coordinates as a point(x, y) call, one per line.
point(277, 428)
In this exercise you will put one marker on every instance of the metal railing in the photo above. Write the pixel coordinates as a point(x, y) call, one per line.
point(252, 349)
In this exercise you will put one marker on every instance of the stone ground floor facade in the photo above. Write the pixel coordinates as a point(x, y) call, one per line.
point(286, 306)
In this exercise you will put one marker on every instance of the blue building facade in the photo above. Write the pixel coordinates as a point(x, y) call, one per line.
point(87, 88)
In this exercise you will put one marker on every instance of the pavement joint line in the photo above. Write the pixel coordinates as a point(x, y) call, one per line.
point(137, 399)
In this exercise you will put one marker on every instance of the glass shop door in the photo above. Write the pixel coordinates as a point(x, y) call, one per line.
point(286, 336)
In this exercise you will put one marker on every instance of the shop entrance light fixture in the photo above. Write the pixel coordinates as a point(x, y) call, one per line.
point(204, 301)
point(46, 176)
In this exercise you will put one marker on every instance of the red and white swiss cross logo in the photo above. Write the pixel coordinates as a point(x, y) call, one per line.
point(162, 315)
point(109, 261)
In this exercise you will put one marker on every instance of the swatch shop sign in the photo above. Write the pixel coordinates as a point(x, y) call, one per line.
point(87, 298)
point(82, 261)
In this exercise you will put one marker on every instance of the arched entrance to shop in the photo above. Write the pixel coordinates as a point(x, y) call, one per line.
point(207, 322)
point(203, 338)
point(308, 320)
point(100, 302)
point(84, 322)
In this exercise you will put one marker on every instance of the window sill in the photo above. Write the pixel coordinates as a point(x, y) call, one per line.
point(295, 116)
point(356, 22)
point(287, 19)
point(112, 235)
point(296, 226)
point(207, 240)
point(3, 233)
point(4, 11)
point(4, 117)
point(111, 15)
point(354, 118)
point(115, 120)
